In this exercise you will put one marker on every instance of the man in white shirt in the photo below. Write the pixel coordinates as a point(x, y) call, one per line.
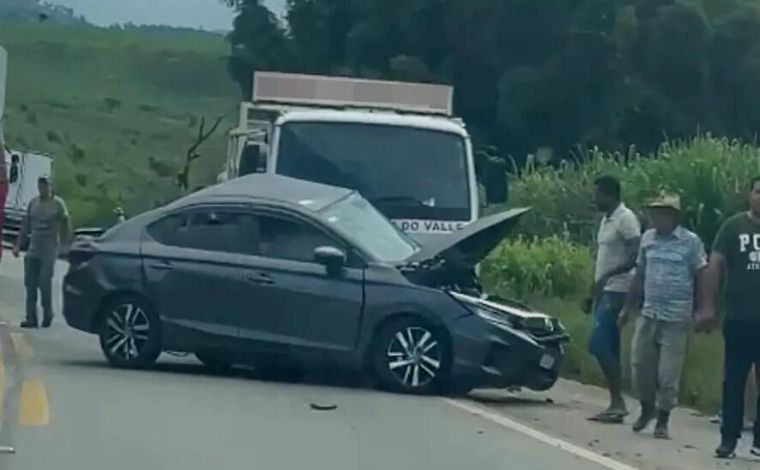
point(617, 245)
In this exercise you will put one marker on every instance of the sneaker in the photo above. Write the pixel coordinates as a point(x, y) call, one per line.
point(28, 324)
point(646, 417)
point(755, 452)
point(726, 450)
point(661, 428)
point(47, 321)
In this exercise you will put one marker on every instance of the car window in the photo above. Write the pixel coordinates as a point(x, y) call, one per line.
point(290, 239)
point(210, 230)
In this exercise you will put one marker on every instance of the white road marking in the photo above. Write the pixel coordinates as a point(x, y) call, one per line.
point(503, 421)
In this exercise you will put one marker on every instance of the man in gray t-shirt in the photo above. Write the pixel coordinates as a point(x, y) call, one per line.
point(46, 226)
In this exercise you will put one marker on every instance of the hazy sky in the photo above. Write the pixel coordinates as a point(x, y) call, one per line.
point(206, 14)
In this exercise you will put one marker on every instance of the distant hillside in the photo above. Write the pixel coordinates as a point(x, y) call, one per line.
point(117, 109)
point(34, 10)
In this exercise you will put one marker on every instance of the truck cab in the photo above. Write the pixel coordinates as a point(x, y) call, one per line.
point(396, 143)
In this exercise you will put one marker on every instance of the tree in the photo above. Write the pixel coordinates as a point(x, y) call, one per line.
point(530, 74)
point(191, 155)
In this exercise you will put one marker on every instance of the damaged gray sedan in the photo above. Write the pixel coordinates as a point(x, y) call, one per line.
point(265, 269)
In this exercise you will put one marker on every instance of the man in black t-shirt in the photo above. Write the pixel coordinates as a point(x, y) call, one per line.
point(736, 257)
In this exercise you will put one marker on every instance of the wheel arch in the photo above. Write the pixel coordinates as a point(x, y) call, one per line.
point(435, 323)
point(110, 298)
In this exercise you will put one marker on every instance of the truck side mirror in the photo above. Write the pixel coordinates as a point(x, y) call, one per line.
point(13, 173)
point(252, 160)
point(497, 189)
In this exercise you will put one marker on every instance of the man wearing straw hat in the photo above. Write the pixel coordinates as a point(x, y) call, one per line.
point(669, 270)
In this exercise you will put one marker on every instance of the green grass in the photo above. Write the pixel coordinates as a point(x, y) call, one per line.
point(116, 110)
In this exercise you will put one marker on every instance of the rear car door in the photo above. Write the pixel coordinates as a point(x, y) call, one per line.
point(193, 263)
point(294, 305)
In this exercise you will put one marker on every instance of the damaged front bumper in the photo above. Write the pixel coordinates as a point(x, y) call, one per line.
point(497, 349)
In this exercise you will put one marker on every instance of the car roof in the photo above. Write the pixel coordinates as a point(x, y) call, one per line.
point(268, 188)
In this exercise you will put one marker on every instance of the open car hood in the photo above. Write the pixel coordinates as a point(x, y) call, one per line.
point(467, 247)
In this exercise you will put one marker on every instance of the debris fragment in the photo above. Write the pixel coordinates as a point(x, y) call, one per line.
point(317, 407)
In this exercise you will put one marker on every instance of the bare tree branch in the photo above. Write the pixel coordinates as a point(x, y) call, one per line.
point(183, 177)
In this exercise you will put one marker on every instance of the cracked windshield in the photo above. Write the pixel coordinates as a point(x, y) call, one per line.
point(373, 234)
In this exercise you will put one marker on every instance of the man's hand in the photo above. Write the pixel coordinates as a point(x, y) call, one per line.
point(16, 251)
point(705, 321)
point(623, 318)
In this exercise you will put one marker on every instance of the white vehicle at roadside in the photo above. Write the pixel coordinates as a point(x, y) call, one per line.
point(24, 168)
point(396, 143)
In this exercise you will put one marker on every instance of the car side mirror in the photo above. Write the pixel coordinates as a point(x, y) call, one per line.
point(333, 259)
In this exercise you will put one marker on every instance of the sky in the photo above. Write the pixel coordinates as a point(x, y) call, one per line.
point(205, 14)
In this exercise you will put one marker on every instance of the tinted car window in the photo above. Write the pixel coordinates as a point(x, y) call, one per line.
point(209, 230)
point(290, 239)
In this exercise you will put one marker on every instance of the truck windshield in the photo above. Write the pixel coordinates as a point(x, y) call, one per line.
point(406, 172)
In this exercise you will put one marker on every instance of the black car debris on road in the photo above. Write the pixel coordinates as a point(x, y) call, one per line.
point(267, 268)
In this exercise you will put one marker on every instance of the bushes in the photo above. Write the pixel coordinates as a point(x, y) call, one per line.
point(551, 266)
point(710, 174)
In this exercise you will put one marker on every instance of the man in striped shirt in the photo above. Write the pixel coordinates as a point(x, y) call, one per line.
point(669, 270)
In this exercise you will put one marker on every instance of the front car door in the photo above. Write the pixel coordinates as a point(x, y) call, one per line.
point(294, 305)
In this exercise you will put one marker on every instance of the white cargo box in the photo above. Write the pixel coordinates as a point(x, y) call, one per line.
point(315, 90)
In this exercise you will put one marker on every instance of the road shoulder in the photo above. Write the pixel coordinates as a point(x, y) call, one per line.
point(563, 412)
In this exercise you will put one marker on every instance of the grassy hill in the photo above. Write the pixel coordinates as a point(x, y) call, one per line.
point(116, 109)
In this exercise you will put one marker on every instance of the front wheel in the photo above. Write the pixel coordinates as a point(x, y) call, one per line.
point(130, 333)
point(411, 356)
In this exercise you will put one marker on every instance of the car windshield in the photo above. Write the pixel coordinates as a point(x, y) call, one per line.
point(355, 218)
point(408, 173)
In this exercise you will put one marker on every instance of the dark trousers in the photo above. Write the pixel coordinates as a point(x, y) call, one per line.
point(38, 277)
point(742, 349)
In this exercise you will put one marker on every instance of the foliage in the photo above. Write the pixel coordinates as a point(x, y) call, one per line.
point(530, 74)
point(95, 98)
point(710, 174)
point(550, 266)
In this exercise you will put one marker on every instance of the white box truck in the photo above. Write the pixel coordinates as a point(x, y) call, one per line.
point(397, 143)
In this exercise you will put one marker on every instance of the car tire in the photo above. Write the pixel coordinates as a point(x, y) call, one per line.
point(411, 356)
point(213, 363)
point(135, 346)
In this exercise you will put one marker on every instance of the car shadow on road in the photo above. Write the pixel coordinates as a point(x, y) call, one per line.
point(188, 367)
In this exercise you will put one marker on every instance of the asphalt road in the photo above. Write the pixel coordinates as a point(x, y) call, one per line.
point(64, 408)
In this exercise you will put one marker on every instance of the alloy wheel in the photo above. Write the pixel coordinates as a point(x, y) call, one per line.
point(127, 331)
point(414, 356)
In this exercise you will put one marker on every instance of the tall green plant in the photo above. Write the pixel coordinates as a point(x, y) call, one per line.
point(710, 174)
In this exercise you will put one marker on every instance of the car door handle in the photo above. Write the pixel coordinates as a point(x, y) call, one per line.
point(260, 279)
point(165, 266)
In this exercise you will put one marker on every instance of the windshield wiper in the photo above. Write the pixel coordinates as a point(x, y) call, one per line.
point(399, 200)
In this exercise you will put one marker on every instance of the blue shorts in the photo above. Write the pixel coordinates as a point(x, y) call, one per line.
point(604, 343)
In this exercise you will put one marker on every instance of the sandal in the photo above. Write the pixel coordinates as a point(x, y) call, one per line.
point(608, 417)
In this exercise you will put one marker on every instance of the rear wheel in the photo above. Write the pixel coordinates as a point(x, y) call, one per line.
point(130, 333)
point(411, 356)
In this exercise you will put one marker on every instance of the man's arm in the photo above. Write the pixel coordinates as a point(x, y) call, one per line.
point(66, 230)
point(633, 298)
point(23, 232)
point(708, 291)
point(631, 251)
point(630, 231)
